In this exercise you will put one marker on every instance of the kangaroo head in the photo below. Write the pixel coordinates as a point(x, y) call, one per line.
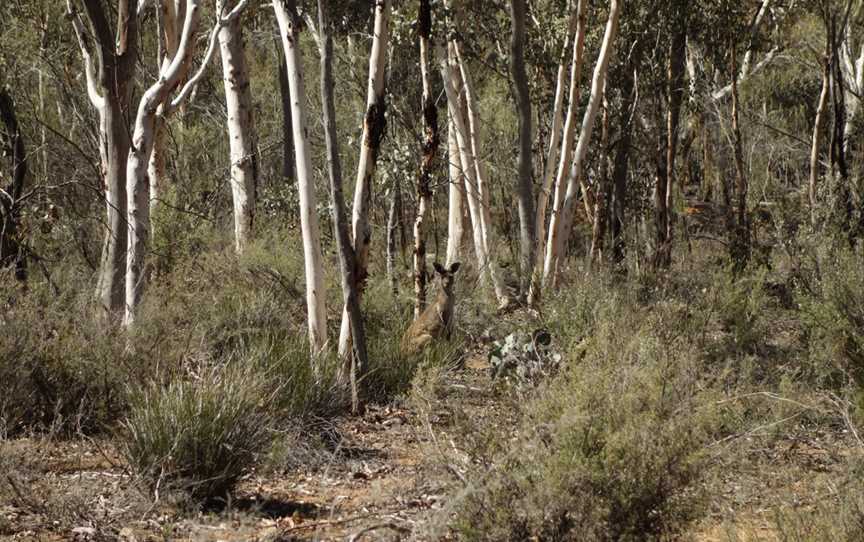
point(447, 276)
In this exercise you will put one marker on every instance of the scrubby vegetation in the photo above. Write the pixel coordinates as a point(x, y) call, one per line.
point(680, 357)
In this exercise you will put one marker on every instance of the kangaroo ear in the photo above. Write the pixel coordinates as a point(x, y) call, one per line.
point(455, 267)
point(439, 268)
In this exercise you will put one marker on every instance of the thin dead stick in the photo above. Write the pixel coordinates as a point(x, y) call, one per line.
point(388, 525)
point(325, 523)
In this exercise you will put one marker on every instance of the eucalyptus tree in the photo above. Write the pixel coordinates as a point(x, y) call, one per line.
point(109, 68)
point(430, 149)
point(562, 217)
point(523, 105)
point(551, 180)
point(373, 133)
point(241, 124)
point(347, 259)
point(289, 28)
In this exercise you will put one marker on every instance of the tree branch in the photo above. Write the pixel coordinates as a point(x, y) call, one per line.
point(93, 93)
point(191, 85)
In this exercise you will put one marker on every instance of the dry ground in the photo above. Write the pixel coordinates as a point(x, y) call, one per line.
point(381, 477)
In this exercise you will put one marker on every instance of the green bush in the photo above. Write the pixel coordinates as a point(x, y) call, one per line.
point(833, 313)
point(60, 370)
point(610, 450)
point(202, 433)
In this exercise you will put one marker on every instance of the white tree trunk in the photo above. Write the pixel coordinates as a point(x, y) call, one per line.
point(137, 187)
point(563, 221)
point(171, 15)
point(241, 128)
point(455, 224)
point(289, 29)
point(370, 142)
point(545, 246)
point(576, 35)
point(450, 75)
point(109, 92)
point(474, 147)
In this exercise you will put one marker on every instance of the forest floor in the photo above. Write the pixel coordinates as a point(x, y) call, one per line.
point(385, 475)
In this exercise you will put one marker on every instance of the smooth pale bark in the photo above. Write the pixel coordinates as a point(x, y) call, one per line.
point(430, 148)
point(456, 189)
point(552, 155)
point(171, 15)
point(568, 141)
point(373, 132)
point(109, 88)
point(137, 186)
point(347, 259)
point(289, 30)
point(816, 142)
point(474, 146)
point(241, 128)
point(854, 82)
point(450, 76)
point(525, 192)
point(562, 222)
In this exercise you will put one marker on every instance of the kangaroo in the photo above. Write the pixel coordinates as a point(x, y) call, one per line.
point(437, 319)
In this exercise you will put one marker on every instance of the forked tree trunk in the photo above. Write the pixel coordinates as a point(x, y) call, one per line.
point(109, 88)
point(523, 104)
point(561, 223)
point(137, 186)
point(289, 29)
point(373, 132)
point(483, 207)
point(568, 142)
point(450, 76)
point(171, 16)
point(575, 29)
point(456, 190)
point(430, 148)
point(347, 260)
point(241, 128)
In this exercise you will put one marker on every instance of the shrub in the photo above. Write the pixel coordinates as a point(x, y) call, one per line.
point(59, 370)
point(202, 433)
point(610, 450)
point(834, 316)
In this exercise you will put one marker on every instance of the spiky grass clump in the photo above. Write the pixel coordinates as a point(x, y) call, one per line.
point(203, 433)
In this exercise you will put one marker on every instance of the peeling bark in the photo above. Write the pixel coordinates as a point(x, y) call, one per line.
point(430, 148)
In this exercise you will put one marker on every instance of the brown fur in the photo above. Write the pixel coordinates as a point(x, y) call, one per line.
point(437, 319)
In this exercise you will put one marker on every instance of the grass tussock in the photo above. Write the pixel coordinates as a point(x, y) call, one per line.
point(203, 434)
